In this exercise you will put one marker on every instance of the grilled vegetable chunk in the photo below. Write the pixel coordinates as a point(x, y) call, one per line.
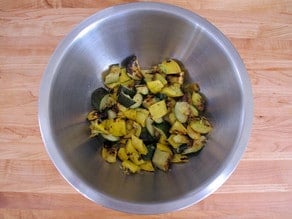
point(162, 157)
point(201, 125)
point(101, 99)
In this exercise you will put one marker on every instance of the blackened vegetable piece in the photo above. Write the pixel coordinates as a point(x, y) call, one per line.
point(146, 137)
point(133, 68)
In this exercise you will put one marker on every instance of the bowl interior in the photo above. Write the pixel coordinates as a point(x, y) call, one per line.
point(153, 35)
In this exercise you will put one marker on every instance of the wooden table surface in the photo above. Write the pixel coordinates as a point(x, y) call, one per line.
point(31, 187)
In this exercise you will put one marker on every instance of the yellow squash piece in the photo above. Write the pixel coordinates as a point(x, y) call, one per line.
point(109, 154)
point(141, 116)
point(147, 166)
point(122, 154)
point(117, 127)
point(130, 114)
point(179, 158)
point(178, 127)
point(155, 86)
point(130, 166)
point(158, 110)
point(172, 91)
point(139, 145)
point(130, 148)
point(170, 66)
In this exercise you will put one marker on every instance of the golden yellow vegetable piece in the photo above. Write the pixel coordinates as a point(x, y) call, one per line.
point(139, 145)
point(122, 154)
point(155, 86)
point(147, 166)
point(202, 126)
point(130, 114)
point(130, 166)
point(130, 148)
point(109, 154)
point(179, 158)
point(158, 110)
point(141, 116)
point(161, 159)
point(117, 127)
point(170, 66)
point(178, 127)
point(172, 91)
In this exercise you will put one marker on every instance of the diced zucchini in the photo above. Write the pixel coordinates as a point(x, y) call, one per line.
point(142, 89)
point(133, 69)
point(161, 159)
point(158, 110)
point(155, 86)
point(202, 125)
point(182, 111)
point(137, 129)
point(138, 98)
point(170, 66)
point(196, 147)
point(193, 111)
point(109, 154)
point(126, 90)
point(113, 76)
point(111, 114)
point(101, 99)
point(125, 99)
point(192, 87)
point(177, 78)
point(198, 101)
point(129, 166)
point(149, 126)
point(192, 134)
point(141, 116)
point(150, 148)
point(175, 140)
point(162, 128)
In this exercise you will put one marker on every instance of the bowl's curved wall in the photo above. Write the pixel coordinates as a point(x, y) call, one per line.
point(153, 32)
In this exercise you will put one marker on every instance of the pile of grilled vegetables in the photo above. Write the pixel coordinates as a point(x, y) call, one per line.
point(148, 119)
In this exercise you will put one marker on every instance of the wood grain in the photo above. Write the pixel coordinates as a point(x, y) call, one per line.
point(261, 186)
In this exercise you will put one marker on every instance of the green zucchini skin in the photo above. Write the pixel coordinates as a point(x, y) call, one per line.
point(151, 149)
point(97, 98)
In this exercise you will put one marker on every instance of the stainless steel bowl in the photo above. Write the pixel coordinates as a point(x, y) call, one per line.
point(153, 32)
